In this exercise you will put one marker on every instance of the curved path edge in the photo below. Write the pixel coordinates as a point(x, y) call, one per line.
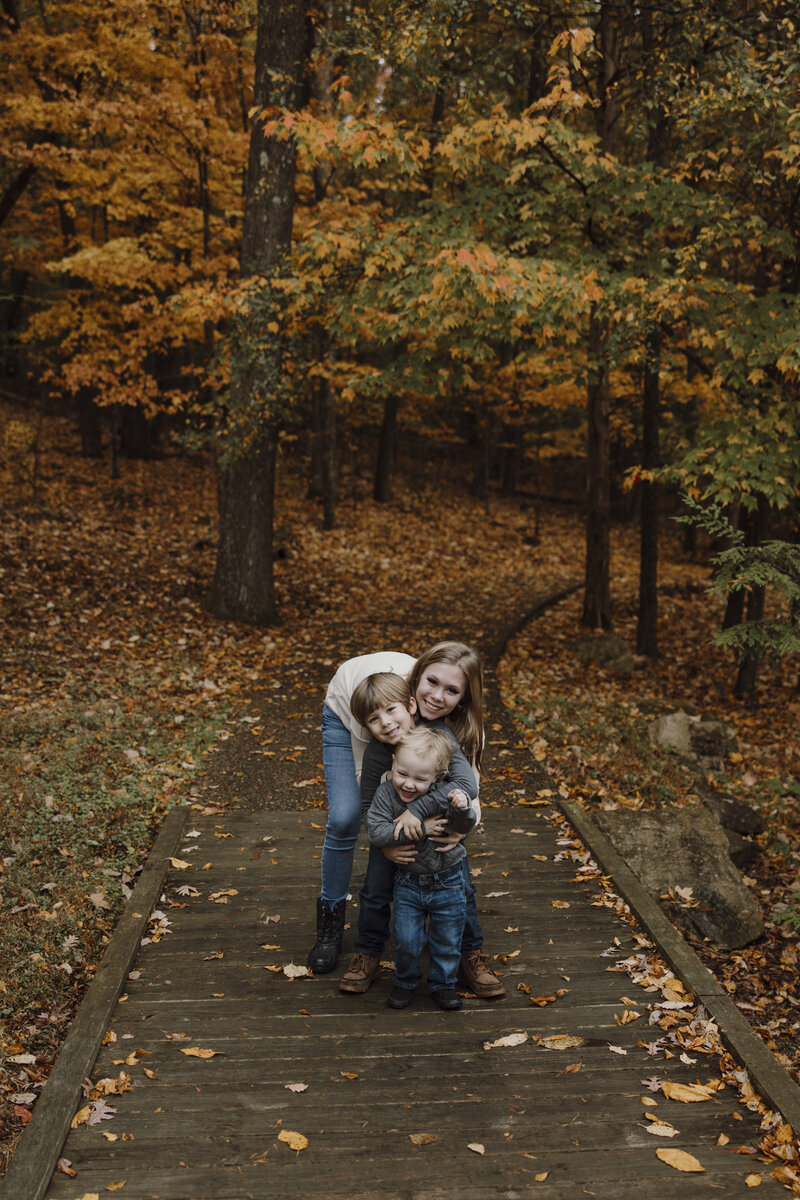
point(774, 1084)
point(37, 1154)
point(768, 1076)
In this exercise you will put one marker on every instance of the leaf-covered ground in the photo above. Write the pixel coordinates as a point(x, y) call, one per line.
point(116, 683)
point(589, 728)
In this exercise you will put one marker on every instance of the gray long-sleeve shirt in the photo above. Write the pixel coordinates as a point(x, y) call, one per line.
point(386, 805)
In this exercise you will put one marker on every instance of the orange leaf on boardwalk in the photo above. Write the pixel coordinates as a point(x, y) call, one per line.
point(295, 1141)
point(196, 1052)
point(422, 1139)
point(680, 1160)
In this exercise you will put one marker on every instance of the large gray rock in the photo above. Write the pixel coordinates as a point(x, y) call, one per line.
point(733, 813)
point(688, 848)
point(697, 739)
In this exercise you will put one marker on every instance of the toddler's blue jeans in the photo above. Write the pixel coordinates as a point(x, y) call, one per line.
point(440, 901)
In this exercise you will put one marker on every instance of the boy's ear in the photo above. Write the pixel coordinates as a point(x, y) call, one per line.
point(412, 706)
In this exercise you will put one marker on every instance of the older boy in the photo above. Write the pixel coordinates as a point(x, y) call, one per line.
point(431, 888)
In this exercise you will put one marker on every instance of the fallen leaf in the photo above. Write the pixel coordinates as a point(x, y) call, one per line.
point(195, 1052)
point(560, 904)
point(296, 1087)
point(572, 1068)
point(680, 1160)
point(476, 1148)
point(688, 1092)
point(115, 1187)
point(66, 1167)
point(753, 1181)
point(511, 1039)
point(269, 946)
point(616, 1049)
point(110, 1137)
point(662, 1129)
point(295, 1141)
point(180, 864)
point(291, 971)
point(723, 1139)
point(649, 1101)
point(562, 1041)
point(214, 954)
point(491, 895)
point(540, 1178)
point(422, 1139)
point(150, 1074)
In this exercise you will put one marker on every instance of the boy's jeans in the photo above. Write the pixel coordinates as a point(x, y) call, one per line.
point(442, 900)
point(374, 906)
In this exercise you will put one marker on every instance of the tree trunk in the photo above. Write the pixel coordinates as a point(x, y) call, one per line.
point(243, 579)
point(597, 591)
point(647, 621)
point(243, 585)
point(382, 490)
point(745, 686)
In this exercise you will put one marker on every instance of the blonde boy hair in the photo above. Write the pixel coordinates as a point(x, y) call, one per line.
point(429, 744)
point(384, 687)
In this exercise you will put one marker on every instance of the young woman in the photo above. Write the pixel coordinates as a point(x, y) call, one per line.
point(447, 684)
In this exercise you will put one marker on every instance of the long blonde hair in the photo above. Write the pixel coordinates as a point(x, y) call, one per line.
point(466, 719)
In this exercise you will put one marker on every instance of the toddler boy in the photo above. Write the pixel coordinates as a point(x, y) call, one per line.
point(431, 888)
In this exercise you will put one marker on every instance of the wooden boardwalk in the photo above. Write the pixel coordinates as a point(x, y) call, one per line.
point(551, 1122)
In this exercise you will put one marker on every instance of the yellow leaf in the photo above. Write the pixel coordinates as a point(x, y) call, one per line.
point(562, 1041)
point(422, 1139)
point(476, 1148)
point(295, 1141)
point(560, 903)
point(194, 1052)
point(150, 1074)
point(680, 1160)
point(348, 1075)
point(688, 1092)
point(180, 864)
point(269, 946)
point(81, 1117)
point(115, 1187)
point(110, 1137)
point(723, 1139)
point(540, 1178)
point(753, 1180)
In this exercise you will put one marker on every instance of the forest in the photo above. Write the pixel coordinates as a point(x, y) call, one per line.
point(280, 282)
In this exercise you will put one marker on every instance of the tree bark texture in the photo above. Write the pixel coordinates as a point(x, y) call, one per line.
point(597, 588)
point(647, 620)
point(243, 584)
point(382, 490)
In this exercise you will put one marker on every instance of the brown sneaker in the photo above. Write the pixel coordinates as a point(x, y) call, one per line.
point(360, 974)
point(474, 972)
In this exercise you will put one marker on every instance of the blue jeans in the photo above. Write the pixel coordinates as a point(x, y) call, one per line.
point(375, 901)
point(441, 901)
point(344, 807)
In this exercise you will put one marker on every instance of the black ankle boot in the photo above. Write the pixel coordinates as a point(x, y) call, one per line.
point(330, 926)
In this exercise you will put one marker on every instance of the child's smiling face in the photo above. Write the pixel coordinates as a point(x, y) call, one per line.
point(390, 721)
point(412, 774)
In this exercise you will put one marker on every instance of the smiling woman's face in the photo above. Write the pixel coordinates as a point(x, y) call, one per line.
point(439, 690)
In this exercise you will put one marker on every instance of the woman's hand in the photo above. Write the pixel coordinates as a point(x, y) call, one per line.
point(408, 825)
point(435, 826)
point(447, 840)
point(400, 855)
